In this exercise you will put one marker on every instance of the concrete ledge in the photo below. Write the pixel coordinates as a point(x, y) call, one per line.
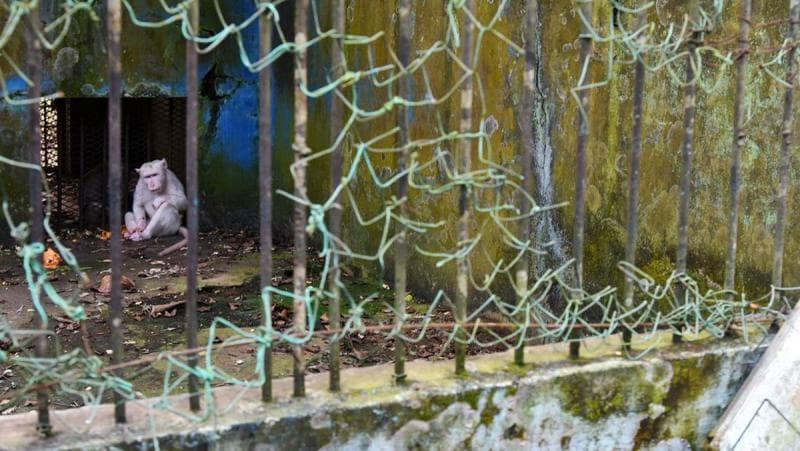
point(669, 400)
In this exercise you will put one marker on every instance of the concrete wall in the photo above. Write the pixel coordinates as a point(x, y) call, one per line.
point(671, 400)
point(500, 70)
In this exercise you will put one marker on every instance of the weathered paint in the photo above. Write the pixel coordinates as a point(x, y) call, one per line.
point(764, 413)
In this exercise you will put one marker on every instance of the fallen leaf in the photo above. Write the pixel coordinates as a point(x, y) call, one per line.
point(51, 259)
point(170, 313)
point(127, 284)
point(105, 284)
point(105, 235)
point(203, 309)
point(233, 305)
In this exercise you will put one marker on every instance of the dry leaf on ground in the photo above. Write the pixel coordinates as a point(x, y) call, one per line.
point(105, 284)
point(51, 259)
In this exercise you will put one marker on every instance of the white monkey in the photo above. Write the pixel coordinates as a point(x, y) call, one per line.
point(158, 202)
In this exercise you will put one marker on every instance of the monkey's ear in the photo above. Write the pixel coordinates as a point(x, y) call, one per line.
point(164, 163)
point(137, 170)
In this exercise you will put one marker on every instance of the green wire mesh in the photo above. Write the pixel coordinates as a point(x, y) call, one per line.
point(491, 185)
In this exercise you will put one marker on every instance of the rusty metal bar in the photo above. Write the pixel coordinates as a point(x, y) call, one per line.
point(192, 93)
point(633, 181)
point(465, 163)
point(34, 57)
point(528, 148)
point(401, 249)
point(786, 144)
point(335, 226)
point(583, 138)
point(738, 141)
point(689, 99)
point(301, 150)
point(114, 29)
point(265, 184)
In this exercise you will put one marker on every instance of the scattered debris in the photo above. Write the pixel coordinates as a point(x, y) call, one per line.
point(157, 310)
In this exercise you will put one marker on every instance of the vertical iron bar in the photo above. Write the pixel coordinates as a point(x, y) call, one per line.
point(301, 150)
point(583, 137)
point(462, 276)
point(34, 56)
point(115, 189)
point(633, 182)
point(191, 193)
point(786, 144)
point(401, 251)
point(528, 147)
point(689, 99)
point(738, 141)
point(337, 111)
point(265, 184)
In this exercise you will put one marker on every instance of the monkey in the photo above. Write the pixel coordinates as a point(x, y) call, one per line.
point(158, 202)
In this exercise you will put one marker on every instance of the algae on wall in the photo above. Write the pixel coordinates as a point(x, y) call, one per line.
point(499, 70)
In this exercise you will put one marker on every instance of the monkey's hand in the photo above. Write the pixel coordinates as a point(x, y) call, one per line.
point(141, 225)
point(159, 201)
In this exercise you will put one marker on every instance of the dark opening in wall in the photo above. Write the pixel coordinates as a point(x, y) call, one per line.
point(75, 151)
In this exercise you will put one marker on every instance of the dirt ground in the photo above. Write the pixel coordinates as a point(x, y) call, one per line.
point(229, 287)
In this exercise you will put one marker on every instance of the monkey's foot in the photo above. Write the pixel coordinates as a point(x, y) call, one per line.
point(135, 236)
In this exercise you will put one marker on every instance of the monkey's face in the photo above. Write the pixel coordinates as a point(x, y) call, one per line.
point(154, 174)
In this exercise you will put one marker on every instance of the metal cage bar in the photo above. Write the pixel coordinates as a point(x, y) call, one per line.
point(265, 187)
point(585, 10)
point(465, 166)
point(401, 250)
point(301, 150)
point(192, 94)
point(337, 120)
point(114, 187)
point(34, 56)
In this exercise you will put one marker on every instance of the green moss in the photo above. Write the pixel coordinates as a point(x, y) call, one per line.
point(595, 396)
point(691, 378)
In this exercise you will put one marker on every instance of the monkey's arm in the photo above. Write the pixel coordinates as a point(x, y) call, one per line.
point(175, 192)
point(139, 212)
point(178, 200)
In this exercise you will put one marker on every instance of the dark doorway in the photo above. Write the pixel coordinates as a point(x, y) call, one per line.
point(75, 151)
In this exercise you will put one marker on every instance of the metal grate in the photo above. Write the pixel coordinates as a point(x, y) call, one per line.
point(74, 151)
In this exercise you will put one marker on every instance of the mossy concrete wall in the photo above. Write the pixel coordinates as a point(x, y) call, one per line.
point(671, 399)
point(610, 113)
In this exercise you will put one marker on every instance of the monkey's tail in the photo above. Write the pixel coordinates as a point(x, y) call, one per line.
point(177, 245)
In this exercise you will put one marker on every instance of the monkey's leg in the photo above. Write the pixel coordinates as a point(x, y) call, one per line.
point(130, 221)
point(130, 225)
point(166, 221)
